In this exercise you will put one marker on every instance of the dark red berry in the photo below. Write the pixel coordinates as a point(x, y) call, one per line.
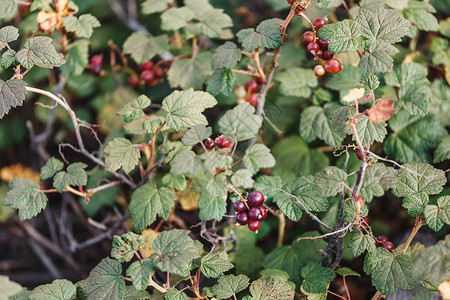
point(323, 44)
point(388, 246)
point(146, 66)
point(97, 59)
point(263, 212)
point(333, 66)
point(251, 86)
point(159, 72)
point(239, 206)
point(220, 140)
point(319, 53)
point(359, 154)
point(319, 22)
point(255, 198)
point(253, 99)
point(290, 1)
point(147, 76)
point(365, 221)
point(254, 226)
point(259, 80)
point(382, 239)
point(319, 70)
point(209, 143)
point(227, 144)
point(327, 55)
point(242, 218)
point(95, 69)
point(313, 47)
point(308, 37)
point(133, 80)
point(254, 214)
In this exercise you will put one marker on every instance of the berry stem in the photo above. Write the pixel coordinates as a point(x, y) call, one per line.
point(419, 223)
point(310, 24)
point(337, 295)
point(239, 194)
point(281, 228)
point(258, 64)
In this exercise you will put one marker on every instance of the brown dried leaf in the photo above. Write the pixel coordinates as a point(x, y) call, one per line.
point(149, 236)
point(47, 21)
point(444, 290)
point(382, 111)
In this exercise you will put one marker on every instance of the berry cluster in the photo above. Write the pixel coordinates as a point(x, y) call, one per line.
point(220, 141)
point(319, 48)
point(383, 241)
point(251, 211)
point(95, 64)
point(249, 92)
point(150, 75)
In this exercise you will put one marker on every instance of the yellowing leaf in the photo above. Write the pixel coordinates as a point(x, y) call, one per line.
point(47, 21)
point(353, 95)
point(188, 198)
point(444, 289)
point(149, 236)
point(8, 173)
point(382, 111)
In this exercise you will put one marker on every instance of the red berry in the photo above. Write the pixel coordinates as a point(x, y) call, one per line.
point(319, 70)
point(251, 86)
point(365, 221)
point(146, 66)
point(253, 99)
point(327, 55)
point(308, 37)
point(382, 239)
point(159, 72)
point(147, 76)
point(259, 80)
point(227, 144)
point(153, 82)
point(290, 1)
point(333, 66)
point(97, 59)
point(242, 218)
point(255, 198)
point(240, 91)
point(220, 140)
point(313, 47)
point(209, 143)
point(255, 214)
point(359, 154)
point(133, 80)
point(254, 226)
point(263, 212)
point(95, 69)
point(323, 44)
point(319, 53)
point(319, 22)
point(388, 246)
point(239, 206)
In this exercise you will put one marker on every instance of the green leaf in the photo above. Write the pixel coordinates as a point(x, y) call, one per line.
point(369, 132)
point(140, 273)
point(151, 126)
point(121, 154)
point(330, 181)
point(211, 23)
point(149, 201)
point(315, 123)
point(124, 246)
point(221, 81)
point(178, 182)
point(426, 179)
point(83, 26)
point(317, 278)
point(190, 72)
point(267, 35)
point(340, 118)
point(74, 176)
point(442, 151)
point(415, 204)
point(104, 282)
point(131, 293)
point(184, 108)
point(154, 6)
point(226, 56)
point(346, 79)
point(60, 289)
point(420, 14)
point(288, 205)
point(297, 82)
point(229, 285)
point(242, 178)
point(211, 207)
point(8, 34)
point(134, 110)
point(196, 135)
point(377, 58)
point(360, 243)
point(271, 289)
point(378, 178)
point(12, 94)
point(39, 51)
point(344, 271)
point(9, 9)
point(51, 167)
point(437, 215)
point(184, 163)
point(25, 196)
point(382, 24)
point(142, 48)
point(214, 264)
point(444, 27)
point(175, 250)
point(77, 58)
point(175, 18)
point(240, 122)
point(8, 58)
point(350, 211)
point(11, 289)
point(342, 36)
point(174, 294)
point(266, 184)
point(258, 156)
point(389, 271)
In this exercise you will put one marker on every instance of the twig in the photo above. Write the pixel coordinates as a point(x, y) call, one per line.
point(419, 223)
point(45, 259)
point(155, 165)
